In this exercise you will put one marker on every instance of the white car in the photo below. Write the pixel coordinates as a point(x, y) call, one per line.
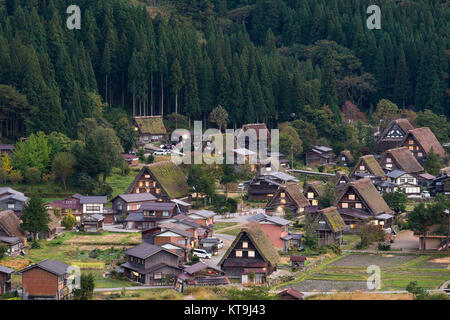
point(161, 153)
point(202, 253)
point(426, 194)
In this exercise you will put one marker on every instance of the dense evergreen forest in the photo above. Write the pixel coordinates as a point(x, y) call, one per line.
point(261, 59)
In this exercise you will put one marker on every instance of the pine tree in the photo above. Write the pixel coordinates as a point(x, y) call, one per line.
point(177, 81)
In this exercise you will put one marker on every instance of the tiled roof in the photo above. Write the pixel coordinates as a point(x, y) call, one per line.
point(144, 250)
point(136, 197)
point(53, 266)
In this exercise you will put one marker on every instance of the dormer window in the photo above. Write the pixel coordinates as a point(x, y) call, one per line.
point(362, 168)
point(245, 245)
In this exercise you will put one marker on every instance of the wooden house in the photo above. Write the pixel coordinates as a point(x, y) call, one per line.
point(149, 214)
point(277, 230)
point(345, 158)
point(400, 159)
point(5, 279)
point(201, 274)
point(11, 234)
point(393, 135)
point(340, 180)
point(367, 167)
point(329, 226)
point(406, 182)
point(175, 235)
point(132, 160)
point(7, 149)
point(93, 222)
point(425, 179)
point(46, 280)
point(150, 129)
point(313, 191)
point(11, 199)
point(264, 187)
point(440, 185)
point(70, 205)
point(259, 133)
point(151, 265)
point(420, 141)
point(203, 217)
point(297, 261)
point(289, 196)
point(123, 204)
point(319, 155)
point(251, 256)
point(180, 250)
point(290, 294)
point(197, 230)
point(360, 201)
point(164, 180)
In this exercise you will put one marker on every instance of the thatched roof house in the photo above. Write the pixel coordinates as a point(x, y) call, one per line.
point(151, 128)
point(420, 141)
point(367, 166)
point(289, 196)
point(164, 180)
point(400, 158)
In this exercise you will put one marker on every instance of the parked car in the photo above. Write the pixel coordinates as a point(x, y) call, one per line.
point(161, 153)
point(426, 194)
point(202, 253)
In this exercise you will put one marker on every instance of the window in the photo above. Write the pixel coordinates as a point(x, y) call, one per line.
point(141, 183)
point(362, 168)
point(251, 254)
point(283, 195)
point(147, 176)
point(165, 213)
point(411, 148)
point(137, 190)
point(420, 154)
point(388, 165)
point(157, 275)
point(411, 141)
point(146, 183)
point(315, 202)
point(358, 205)
point(10, 205)
point(310, 195)
point(239, 253)
point(351, 197)
point(343, 158)
point(344, 205)
point(158, 190)
point(182, 242)
point(244, 245)
point(402, 180)
point(388, 160)
point(283, 201)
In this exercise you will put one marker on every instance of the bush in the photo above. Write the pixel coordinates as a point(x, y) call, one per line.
point(69, 222)
point(15, 176)
point(48, 177)
point(384, 247)
point(3, 175)
point(32, 175)
point(35, 245)
point(3, 250)
point(150, 159)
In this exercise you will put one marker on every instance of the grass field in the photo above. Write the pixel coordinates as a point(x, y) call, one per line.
point(120, 183)
point(349, 272)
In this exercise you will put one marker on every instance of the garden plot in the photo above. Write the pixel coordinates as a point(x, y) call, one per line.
point(328, 286)
point(365, 260)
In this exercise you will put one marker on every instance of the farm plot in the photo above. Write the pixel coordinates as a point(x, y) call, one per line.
point(365, 260)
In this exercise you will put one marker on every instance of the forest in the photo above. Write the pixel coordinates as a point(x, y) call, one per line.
point(262, 60)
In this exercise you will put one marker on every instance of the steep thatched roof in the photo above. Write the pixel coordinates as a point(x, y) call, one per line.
point(294, 191)
point(405, 160)
point(372, 165)
point(169, 176)
point(368, 194)
point(150, 125)
point(334, 219)
point(317, 186)
point(10, 224)
point(259, 240)
point(426, 139)
point(348, 155)
point(404, 125)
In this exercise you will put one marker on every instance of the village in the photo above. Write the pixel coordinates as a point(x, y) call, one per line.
point(267, 230)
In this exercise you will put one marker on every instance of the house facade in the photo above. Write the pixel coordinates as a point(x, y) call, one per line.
point(367, 167)
point(313, 191)
point(46, 280)
point(264, 187)
point(345, 158)
point(319, 155)
point(123, 204)
point(151, 265)
point(150, 129)
point(11, 234)
point(149, 214)
point(360, 201)
point(201, 274)
point(289, 196)
point(5, 279)
point(164, 180)
point(203, 217)
point(400, 159)
point(329, 226)
point(420, 141)
point(440, 185)
point(11, 199)
point(251, 256)
point(393, 135)
point(406, 182)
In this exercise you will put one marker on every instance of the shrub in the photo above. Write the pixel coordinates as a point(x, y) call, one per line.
point(32, 175)
point(69, 221)
point(35, 245)
point(48, 177)
point(15, 176)
point(3, 175)
point(384, 246)
point(3, 250)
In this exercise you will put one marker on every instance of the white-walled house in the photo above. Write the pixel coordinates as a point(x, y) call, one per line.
point(93, 204)
point(405, 181)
